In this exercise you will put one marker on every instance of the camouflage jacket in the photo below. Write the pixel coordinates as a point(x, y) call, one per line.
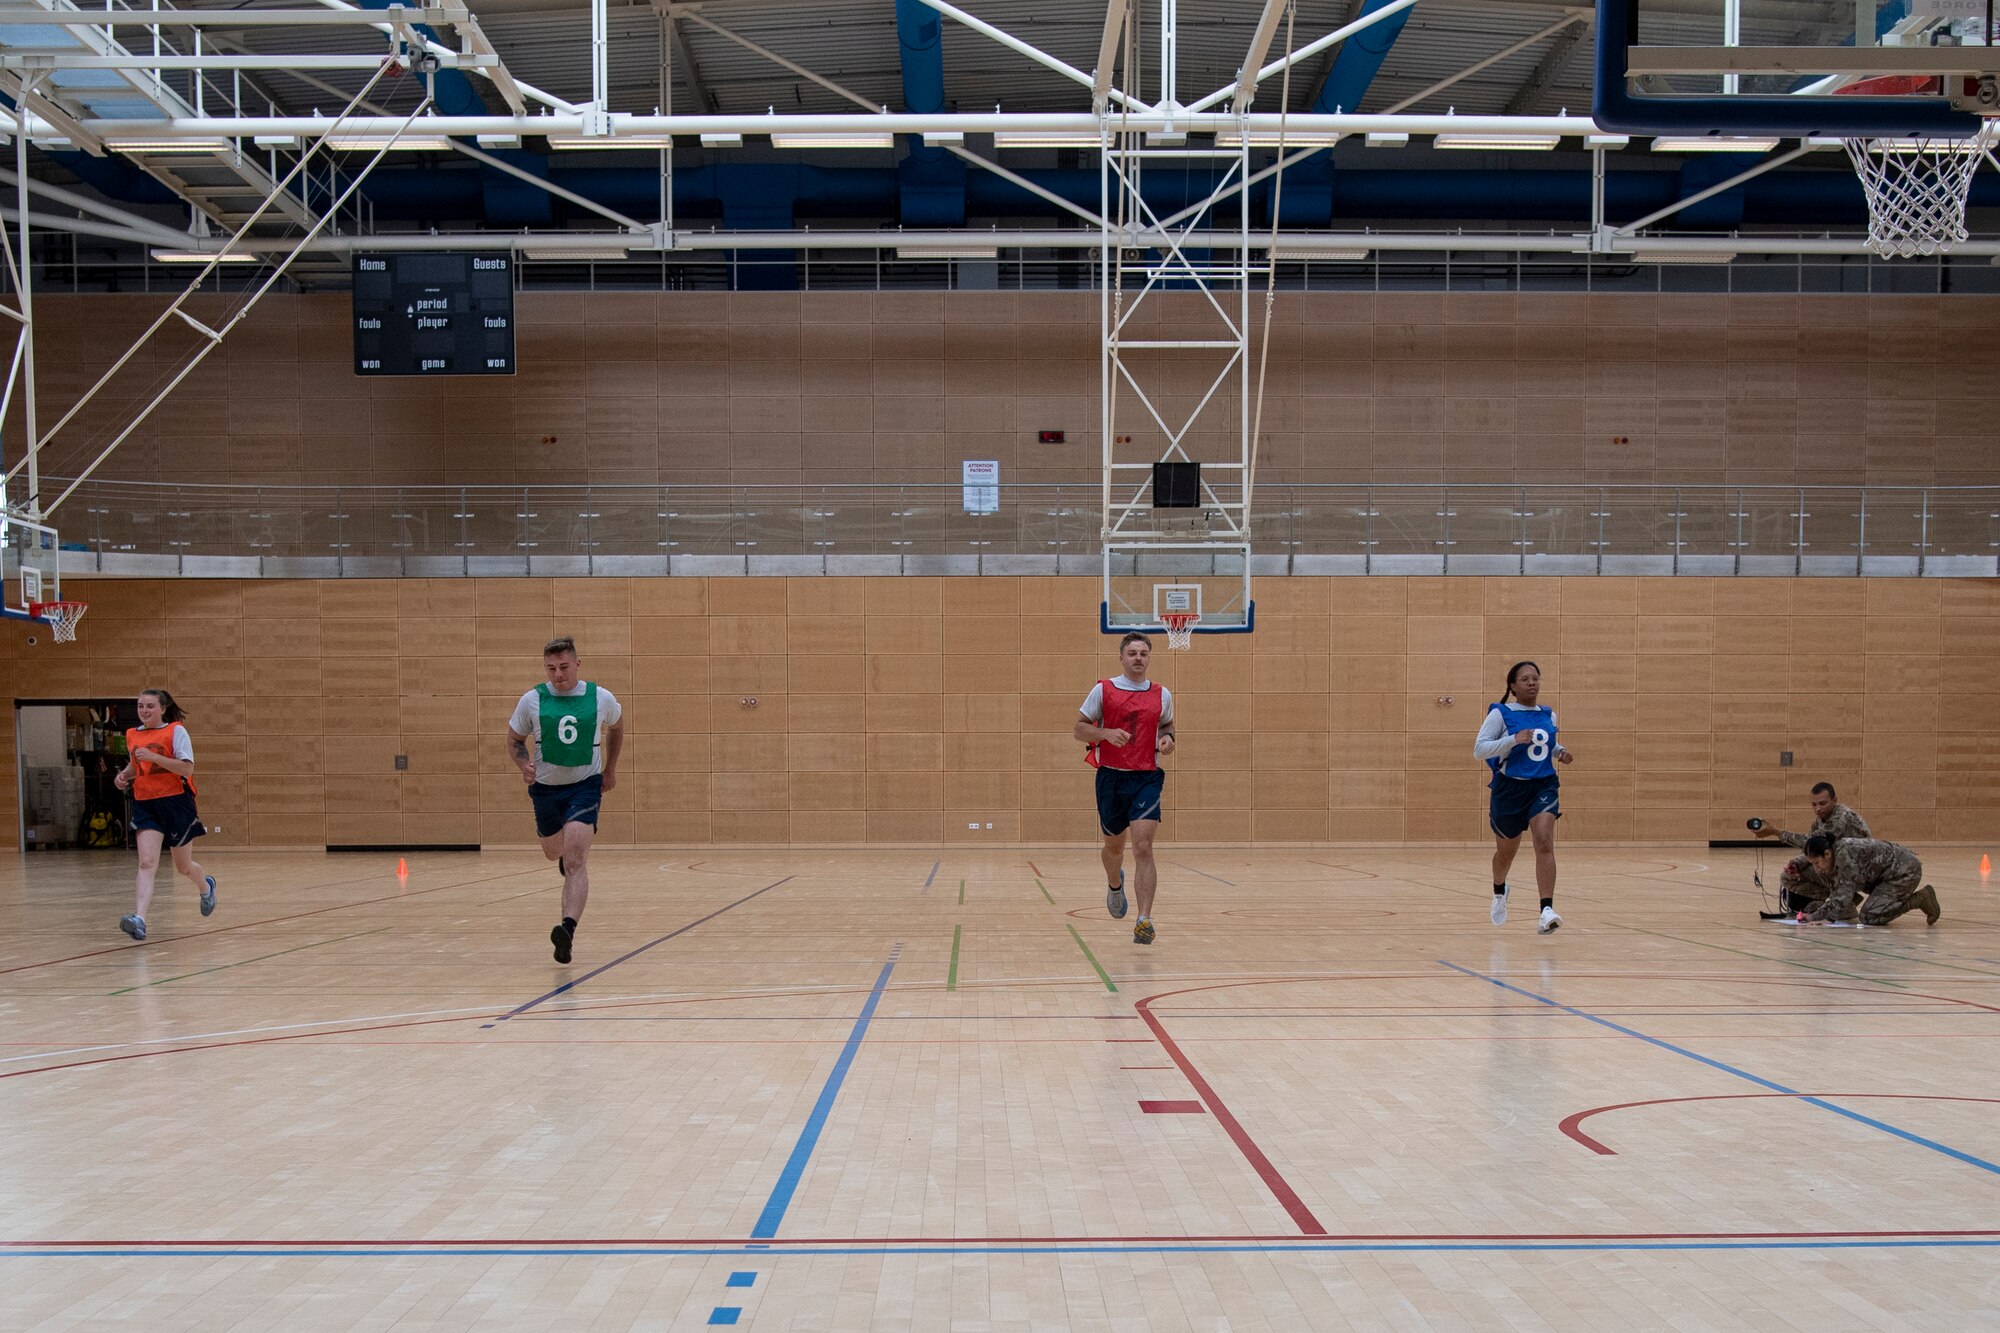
point(1859, 864)
point(1841, 823)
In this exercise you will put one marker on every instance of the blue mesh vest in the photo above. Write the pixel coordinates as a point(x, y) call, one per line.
point(1527, 761)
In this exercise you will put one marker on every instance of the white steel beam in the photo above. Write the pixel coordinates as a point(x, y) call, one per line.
point(1260, 46)
point(17, 58)
point(1115, 15)
point(1036, 54)
point(1306, 52)
point(226, 18)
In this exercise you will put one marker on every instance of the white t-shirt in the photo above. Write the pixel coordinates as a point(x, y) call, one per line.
point(1093, 703)
point(183, 747)
point(527, 721)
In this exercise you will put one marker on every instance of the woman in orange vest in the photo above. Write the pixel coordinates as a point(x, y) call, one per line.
point(160, 775)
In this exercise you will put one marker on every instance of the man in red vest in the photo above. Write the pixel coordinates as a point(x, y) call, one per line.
point(1128, 722)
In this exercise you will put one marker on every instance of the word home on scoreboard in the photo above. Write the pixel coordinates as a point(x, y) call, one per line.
point(434, 314)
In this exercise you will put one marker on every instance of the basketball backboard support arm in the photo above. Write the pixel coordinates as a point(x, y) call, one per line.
point(1617, 109)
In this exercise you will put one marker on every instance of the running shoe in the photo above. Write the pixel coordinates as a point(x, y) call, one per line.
point(1499, 912)
point(1143, 932)
point(1114, 897)
point(1550, 922)
point(208, 897)
point(562, 937)
point(135, 926)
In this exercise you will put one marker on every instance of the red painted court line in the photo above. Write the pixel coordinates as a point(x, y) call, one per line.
point(1287, 1198)
point(1127, 1041)
point(267, 921)
point(1170, 1108)
point(1570, 1123)
point(1345, 1237)
point(1037, 869)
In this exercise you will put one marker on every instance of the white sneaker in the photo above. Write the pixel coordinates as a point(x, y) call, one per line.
point(1550, 921)
point(1500, 905)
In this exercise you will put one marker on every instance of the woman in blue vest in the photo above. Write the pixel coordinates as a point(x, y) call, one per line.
point(1518, 742)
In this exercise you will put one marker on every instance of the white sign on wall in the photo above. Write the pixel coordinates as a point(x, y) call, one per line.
point(982, 486)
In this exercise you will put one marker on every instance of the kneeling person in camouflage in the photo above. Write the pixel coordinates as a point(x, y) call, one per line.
point(1800, 887)
point(1890, 875)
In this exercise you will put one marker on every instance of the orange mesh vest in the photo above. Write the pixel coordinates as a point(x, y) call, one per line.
point(1136, 711)
point(150, 781)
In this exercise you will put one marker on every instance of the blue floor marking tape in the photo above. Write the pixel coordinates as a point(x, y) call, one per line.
point(1734, 1072)
point(802, 1151)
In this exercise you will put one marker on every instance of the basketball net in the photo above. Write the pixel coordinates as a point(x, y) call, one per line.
point(1917, 190)
point(62, 618)
point(1180, 627)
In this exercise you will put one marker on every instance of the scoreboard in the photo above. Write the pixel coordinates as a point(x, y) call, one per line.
point(433, 313)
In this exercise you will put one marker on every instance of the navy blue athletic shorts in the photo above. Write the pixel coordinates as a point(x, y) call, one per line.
point(1125, 795)
point(172, 817)
point(570, 803)
point(1516, 801)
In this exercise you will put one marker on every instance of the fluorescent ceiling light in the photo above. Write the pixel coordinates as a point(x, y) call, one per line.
point(575, 252)
point(1712, 143)
point(1028, 139)
point(721, 141)
point(833, 141)
point(947, 252)
point(1607, 140)
point(1269, 139)
point(613, 142)
point(203, 256)
point(499, 140)
point(1385, 139)
point(1161, 139)
point(369, 143)
point(277, 141)
point(942, 137)
point(1500, 143)
point(167, 145)
point(1329, 254)
point(1683, 256)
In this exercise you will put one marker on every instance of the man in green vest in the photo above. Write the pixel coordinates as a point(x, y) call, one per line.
point(576, 729)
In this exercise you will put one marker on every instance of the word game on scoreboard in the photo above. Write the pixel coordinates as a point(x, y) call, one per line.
point(434, 314)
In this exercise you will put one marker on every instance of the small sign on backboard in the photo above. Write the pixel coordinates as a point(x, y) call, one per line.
point(982, 486)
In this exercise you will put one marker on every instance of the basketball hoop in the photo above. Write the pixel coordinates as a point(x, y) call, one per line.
point(1180, 627)
point(1917, 190)
point(62, 618)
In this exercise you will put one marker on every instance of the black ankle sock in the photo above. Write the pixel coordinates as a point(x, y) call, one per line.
point(1548, 902)
point(1499, 889)
point(570, 922)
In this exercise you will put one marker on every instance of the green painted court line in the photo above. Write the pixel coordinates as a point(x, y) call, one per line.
point(961, 893)
point(1045, 892)
point(951, 977)
point(258, 959)
point(1764, 957)
point(1899, 957)
point(1103, 976)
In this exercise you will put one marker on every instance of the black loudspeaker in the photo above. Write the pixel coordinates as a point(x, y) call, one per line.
point(1176, 485)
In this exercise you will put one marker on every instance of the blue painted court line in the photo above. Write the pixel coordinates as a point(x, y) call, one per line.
point(933, 875)
point(802, 1151)
point(810, 1251)
point(725, 1314)
point(572, 985)
point(741, 1280)
point(1734, 1072)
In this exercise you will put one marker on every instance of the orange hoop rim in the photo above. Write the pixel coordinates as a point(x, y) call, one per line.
point(1180, 627)
point(61, 617)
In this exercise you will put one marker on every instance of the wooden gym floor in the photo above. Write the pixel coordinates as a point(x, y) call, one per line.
point(883, 1090)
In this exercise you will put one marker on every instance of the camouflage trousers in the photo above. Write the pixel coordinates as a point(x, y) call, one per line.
point(1891, 898)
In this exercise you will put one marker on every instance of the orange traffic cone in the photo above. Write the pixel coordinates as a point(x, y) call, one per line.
point(402, 868)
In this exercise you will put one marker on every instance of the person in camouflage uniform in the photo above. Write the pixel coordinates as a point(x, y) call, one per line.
point(1891, 876)
point(1800, 887)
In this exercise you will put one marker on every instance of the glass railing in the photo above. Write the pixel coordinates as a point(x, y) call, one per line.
point(386, 531)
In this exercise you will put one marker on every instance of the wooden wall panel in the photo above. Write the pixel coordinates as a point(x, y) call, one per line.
point(902, 710)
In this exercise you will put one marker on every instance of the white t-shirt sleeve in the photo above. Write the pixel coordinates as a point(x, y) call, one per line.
point(1493, 740)
point(1166, 705)
point(1093, 703)
point(609, 710)
point(525, 714)
point(183, 746)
